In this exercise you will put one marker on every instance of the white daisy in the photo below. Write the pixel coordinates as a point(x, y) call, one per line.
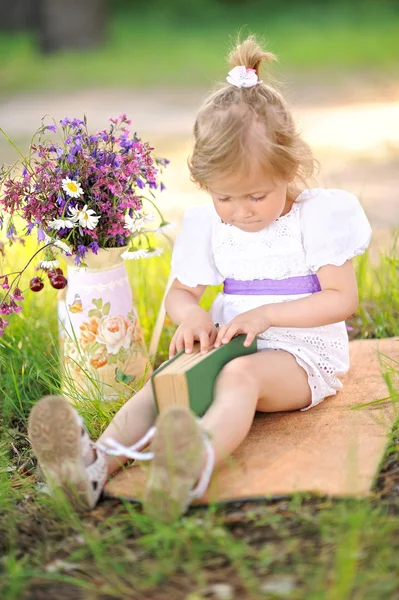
point(58, 224)
point(137, 224)
point(62, 246)
point(84, 216)
point(72, 188)
point(58, 243)
point(134, 254)
point(165, 226)
point(154, 252)
point(49, 264)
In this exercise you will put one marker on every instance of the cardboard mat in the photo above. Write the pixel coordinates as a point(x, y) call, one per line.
point(330, 449)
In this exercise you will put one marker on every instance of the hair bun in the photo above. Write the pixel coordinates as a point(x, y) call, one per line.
point(250, 55)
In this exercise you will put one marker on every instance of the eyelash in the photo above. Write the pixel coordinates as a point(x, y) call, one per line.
point(251, 198)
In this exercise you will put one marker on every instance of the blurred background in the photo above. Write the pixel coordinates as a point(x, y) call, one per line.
point(156, 60)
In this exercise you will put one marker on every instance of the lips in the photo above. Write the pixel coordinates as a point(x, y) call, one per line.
point(252, 223)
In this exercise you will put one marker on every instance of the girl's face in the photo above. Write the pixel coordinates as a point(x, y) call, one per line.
point(250, 202)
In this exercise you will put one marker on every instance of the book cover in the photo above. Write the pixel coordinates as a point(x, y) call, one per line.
point(189, 379)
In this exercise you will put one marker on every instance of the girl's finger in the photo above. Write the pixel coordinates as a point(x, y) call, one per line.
point(172, 347)
point(179, 342)
point(249, 339)
point(220, 335)
point(229, 334)
point(188, 341)
point(204, 342)
point(212, 337)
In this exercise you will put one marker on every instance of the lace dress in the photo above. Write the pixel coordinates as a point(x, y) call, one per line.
point(324, 226)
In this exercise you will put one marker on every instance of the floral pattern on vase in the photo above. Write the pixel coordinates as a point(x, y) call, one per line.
point(101, 340)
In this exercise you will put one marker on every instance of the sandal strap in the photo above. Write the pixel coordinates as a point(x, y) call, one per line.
point(206, 474)
point(111, 446)
point(98, 472)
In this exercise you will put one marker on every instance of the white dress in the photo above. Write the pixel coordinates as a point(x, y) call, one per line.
point(324, 227)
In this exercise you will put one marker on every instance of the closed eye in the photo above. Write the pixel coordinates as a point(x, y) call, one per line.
point(259, 199)
point(223, 199)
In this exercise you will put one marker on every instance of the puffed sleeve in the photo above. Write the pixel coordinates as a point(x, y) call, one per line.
point(334, 228)
point(192, 258)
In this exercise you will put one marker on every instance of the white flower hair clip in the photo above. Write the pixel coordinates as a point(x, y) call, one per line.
point(242, 77)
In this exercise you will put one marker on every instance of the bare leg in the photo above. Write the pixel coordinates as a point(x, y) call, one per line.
point(130, 423)
point(268, 381)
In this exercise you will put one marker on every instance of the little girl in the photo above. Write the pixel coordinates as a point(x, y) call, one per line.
point(283, 253)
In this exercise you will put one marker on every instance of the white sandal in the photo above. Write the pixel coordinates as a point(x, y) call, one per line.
point(179, 449)
point(60, 442)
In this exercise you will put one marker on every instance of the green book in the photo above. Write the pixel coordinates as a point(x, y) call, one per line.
point(189, 379)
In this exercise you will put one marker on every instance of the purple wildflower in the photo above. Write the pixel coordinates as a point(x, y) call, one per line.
point(82, 250)
point(52, 128)
point(5, 309)
point(4, 285)
point(41, 236)
point(76, 123)
point(14, 306)
point(66, 121)
point(94, 247)
point(162, 187)
point(11, 231)
point(17, 295)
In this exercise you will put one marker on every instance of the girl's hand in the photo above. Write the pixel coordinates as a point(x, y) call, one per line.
point(197, 325)
point(252, 323)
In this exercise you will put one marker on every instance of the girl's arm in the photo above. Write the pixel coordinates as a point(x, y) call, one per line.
point(194, 322)
point(181, 300)
point(337, 300)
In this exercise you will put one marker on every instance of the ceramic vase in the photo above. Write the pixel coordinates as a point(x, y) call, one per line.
point(102, 346)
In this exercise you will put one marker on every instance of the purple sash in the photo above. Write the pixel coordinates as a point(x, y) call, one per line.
point(303, 284)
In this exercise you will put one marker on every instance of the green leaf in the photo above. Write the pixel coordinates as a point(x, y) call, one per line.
point(123, 377)
point(93, 347)
point(112, 359)
point(97, 302)
point(122, 354)
point(94, 312)
point(106, 308)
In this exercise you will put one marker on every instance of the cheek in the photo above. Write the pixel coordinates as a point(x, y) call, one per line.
point(223, 210)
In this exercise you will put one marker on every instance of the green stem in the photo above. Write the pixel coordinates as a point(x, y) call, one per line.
point(24, 161)
point(156, 208)
point(148, 239)
point(24, 269)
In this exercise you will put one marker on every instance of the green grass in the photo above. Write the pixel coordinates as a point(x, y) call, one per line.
point(322, 549)
point(156, 50)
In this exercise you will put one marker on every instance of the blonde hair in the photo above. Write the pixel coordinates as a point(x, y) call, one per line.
point(237, 127)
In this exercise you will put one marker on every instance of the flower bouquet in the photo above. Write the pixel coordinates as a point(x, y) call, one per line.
point(83, 195)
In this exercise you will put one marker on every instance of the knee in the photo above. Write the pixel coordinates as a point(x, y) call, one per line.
point(239, 371)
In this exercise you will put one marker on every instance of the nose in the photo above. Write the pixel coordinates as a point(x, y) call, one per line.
point(242, 211)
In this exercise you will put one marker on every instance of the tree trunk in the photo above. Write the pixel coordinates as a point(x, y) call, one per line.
point(17, 15)
point(71, 24)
